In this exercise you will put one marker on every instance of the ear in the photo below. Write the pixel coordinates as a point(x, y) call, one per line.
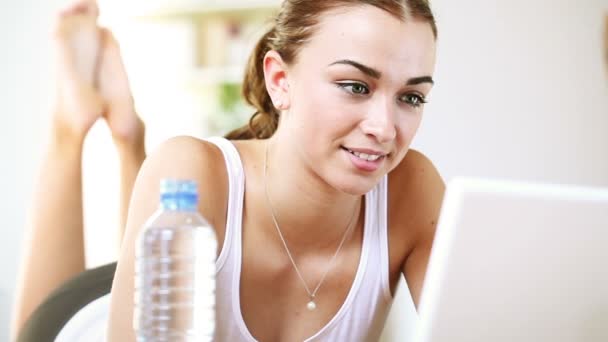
point(275, 77)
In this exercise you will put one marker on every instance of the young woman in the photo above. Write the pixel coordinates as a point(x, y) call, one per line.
point(318, 204)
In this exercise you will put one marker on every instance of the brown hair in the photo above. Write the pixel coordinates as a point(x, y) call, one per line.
point(293, 26)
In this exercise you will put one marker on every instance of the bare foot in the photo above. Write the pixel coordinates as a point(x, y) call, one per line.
point(76, 38)
point(113, 83)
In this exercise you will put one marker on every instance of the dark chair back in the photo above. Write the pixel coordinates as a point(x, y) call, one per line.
point(48, 319)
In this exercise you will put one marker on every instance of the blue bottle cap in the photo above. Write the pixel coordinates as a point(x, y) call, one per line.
point(178, 194)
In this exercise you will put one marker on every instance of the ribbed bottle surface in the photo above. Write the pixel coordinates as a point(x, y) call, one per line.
point(175, 270)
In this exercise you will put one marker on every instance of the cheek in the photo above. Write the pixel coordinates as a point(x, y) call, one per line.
point(321, 109)
point(407, 127)
point(410, 128)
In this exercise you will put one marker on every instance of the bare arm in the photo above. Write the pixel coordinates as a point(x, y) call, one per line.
point(429, 192)
point(182, 157)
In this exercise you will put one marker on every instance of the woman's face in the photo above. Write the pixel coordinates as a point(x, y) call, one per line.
point(356, 95)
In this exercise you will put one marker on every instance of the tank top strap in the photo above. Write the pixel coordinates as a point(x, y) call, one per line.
point(382, 229)
point(376, 202)
point(236, 192)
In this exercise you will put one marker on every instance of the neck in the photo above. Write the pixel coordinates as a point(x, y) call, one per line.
point(311, 214)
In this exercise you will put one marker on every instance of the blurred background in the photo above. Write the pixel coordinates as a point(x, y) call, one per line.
point(521, 93)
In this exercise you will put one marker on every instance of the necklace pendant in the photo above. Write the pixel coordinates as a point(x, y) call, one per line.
point(311, 305)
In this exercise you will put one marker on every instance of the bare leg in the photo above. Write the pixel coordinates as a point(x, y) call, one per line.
point(126, 127)
point(92, 83)
point(131, 157)
point(54, 247)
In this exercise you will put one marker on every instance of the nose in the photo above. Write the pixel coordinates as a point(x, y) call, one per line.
point(380, 121)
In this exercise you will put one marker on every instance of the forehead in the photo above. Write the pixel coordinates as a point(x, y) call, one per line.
point(374, 37)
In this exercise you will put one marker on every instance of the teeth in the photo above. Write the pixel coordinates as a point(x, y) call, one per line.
point(365, 156)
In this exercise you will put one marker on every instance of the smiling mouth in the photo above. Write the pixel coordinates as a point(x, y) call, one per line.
point(365, 156)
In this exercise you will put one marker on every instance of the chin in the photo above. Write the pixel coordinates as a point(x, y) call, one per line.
point(356, 186)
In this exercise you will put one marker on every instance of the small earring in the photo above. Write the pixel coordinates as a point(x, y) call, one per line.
point(278, 104)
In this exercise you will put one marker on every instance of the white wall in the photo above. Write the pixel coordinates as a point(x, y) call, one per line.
point(521, 93)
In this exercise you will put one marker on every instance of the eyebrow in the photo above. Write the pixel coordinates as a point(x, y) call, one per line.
point(373, 73)
point(419, 80)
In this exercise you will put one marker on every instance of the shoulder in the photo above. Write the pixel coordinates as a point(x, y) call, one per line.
point(175, 153)
point(415, 195)
point(181, 158)
point(416, 179)
point(186, 157)
point(416, 173)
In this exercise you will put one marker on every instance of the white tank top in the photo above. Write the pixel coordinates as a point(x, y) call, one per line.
point(363, 313)
point(361, 317)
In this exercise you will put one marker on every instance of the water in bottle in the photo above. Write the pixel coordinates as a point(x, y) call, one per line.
point(175, 270)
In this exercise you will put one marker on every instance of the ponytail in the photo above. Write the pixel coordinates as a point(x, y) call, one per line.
point(265, 120)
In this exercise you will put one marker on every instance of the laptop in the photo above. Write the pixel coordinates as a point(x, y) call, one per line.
point(516, 262)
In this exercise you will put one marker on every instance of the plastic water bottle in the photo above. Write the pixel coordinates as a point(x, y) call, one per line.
point(175, 270)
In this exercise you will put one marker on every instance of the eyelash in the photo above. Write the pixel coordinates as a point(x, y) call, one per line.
point(345, 85)
point(420, 100)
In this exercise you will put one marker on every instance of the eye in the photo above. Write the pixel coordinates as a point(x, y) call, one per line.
point(354, 88)
point(414, 100)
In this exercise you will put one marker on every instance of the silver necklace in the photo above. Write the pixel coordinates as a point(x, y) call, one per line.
point(311, 304)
